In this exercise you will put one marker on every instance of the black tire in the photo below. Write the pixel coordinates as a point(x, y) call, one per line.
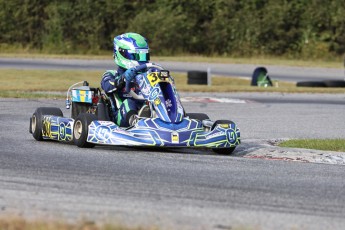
point(36, 120)
point(311, 84)
point(198, 116)
point(81, 130)
point(223, 151)
point(259, 73)
point(197, 82)
point(335, 83)
point(197, 77)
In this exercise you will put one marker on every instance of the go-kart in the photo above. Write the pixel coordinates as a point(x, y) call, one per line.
point(161, 122)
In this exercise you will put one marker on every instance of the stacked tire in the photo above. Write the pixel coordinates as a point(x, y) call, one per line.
point(311, 84)
point(197, 78)
point(327, 83)
point(334, 83)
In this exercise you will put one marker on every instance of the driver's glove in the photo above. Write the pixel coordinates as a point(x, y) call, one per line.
point(130, 74)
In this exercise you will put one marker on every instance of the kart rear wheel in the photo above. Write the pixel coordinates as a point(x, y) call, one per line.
point(223, 151)
point(198, 116)
point(81, 130)
point(36, 120)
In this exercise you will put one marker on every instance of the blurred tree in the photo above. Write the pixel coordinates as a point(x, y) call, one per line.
point(298, 28)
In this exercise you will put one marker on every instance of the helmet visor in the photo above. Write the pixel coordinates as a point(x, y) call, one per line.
point(137, 55)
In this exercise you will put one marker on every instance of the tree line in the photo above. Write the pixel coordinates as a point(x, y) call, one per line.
point(294, 28)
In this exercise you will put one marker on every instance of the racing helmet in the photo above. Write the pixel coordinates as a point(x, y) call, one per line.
point(130, 50)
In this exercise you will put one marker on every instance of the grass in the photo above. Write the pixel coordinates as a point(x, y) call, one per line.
point(42, 83)
point(319, 144)
point(45, 80)
point(18, 223)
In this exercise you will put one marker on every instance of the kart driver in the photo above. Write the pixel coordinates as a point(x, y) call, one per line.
point(130, 50)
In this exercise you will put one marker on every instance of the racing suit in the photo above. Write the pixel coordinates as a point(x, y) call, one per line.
point(123, 106)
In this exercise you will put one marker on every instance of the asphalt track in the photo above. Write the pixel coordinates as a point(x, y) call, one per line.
point(181, 189)
point(284, 73)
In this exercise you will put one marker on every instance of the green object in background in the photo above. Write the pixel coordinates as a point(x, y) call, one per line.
point(263, 80)
point(260, 78)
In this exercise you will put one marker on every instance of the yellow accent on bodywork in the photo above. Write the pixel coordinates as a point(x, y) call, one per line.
point(153, 78)
point(157, 101)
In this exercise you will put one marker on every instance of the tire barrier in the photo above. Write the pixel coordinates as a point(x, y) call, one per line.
point(197, 78)
point(310, 84)
point(335, 83)
point(260, 77)
point(326, 83)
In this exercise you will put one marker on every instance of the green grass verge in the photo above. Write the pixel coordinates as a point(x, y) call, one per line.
point(319, 144)
point(38, 83)
point(18, 223)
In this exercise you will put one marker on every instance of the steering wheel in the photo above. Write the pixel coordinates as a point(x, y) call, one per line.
point(138, 69)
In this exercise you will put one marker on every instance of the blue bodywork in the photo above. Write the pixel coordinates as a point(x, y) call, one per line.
point(57, 128)
point(147, 132)
point(168, 125)
point(155, 132)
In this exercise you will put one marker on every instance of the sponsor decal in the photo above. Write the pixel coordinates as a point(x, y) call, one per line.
point(168, 103)
point(119, 130)
point(231, 136)
point(145, 90)
point(153, 78)
point(46, 127)
point(157, 101)
point(174, 137)
point(103, 133)
point(164, 73)
point(225, 126)
point(217, 134)
point(141, 82)
point(108, 123)
point(154, 94)
point(81, 95)
point(62, 131)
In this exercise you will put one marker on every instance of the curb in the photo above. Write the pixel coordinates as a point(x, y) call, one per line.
point(268, 150)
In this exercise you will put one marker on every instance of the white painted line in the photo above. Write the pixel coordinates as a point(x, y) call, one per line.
point(212, 100)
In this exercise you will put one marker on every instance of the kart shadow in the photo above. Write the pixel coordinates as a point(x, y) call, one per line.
point(239, 151)
point(192, 151)
point(246, 148)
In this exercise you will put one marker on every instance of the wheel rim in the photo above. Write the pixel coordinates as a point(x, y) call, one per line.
point(33, 123)
point(78, 127)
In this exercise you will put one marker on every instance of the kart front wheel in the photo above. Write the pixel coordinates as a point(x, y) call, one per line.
point(223, 151)
point(36, 120)
point(81, 130)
